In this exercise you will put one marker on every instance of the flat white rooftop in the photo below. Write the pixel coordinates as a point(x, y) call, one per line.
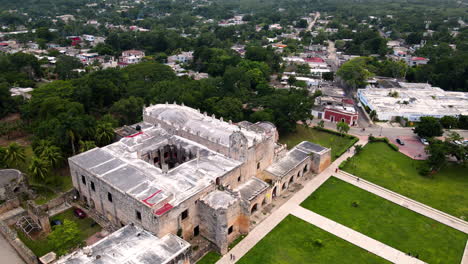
point(414, 100)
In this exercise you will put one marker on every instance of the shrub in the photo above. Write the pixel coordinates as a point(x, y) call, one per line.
point(393, 146)
point(194, 248)
point(424, 170)
point(355, 204)
point(318, 242)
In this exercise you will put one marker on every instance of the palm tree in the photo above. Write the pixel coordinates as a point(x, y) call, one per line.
point(71, 136)
point(104, 133)
point(52, 155)
point(14, 154)
point(86, 145)
point(41, 146)
point(39, 168)
point(373, 115)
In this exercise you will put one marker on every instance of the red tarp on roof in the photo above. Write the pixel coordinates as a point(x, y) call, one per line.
point(314, 59)
point(418, 58)
point(163, 209)
point(134, 135)
point(149, 197)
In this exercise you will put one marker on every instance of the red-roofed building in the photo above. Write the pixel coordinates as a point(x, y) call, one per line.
point(415, 61)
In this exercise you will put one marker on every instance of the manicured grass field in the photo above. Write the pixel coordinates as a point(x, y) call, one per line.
point(42, 246)
point(296, 241)
point(446, 191)
point(337, 143)
point(210, 258)
point(387, 222)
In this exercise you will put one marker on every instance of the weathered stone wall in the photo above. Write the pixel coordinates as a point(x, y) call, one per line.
point(9, 205)
point(215, 224)
point(321, 161)
point(12, 237)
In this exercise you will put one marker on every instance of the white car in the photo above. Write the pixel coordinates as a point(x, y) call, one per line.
point(424, 141)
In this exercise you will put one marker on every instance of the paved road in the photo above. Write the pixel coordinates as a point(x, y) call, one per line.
point(8, 254)
point(311, 25)
point(403, 201)
point(385, 131)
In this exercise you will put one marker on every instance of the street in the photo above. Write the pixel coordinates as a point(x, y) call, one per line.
point(8, 254)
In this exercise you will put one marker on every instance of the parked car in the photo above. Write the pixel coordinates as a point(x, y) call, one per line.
point(399, 141)
point(424, 141)
point(79, 213)
point(55, 222)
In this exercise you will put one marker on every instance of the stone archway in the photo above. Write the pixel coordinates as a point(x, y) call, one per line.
point(254, 208)
point(274, 193)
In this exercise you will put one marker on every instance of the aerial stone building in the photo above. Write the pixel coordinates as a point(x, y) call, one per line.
point(183, 172)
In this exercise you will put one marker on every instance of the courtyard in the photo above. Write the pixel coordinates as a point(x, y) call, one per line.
point(41, 245)
point(445, 191)
point(338, 144)
point(295, 241)
point(387, 222)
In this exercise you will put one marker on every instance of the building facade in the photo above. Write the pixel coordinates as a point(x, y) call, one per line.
point(186, 173)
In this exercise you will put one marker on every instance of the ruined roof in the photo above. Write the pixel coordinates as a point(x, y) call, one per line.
point(219, 199)
point(310, 147)
point(205, 126)
point(294, 158)
point(130, 244)
point(121, 166)
point(251, 188)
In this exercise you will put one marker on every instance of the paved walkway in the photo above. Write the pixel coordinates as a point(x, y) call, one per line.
point(8, 253)
point(406, 202)
point(465, 255)
point(354, 237)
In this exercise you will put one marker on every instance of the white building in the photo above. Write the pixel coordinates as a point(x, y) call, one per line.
point(413, 101)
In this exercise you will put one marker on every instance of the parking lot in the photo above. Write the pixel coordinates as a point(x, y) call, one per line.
point(413, 148)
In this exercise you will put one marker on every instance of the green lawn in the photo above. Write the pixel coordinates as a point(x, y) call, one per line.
point(337, 143)
point(295, 241)
point(210, 258)
point(42, 246)
point(446, 191)
point(387, 222)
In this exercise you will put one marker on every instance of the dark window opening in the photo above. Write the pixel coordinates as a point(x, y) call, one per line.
point(305, 169)
point(196, 231)
point(291, 180)
point(83, 179)
point(284, 186)
point(230, 229)
point(258, 165)
point(109, 197)
point(239, 178)
point(92, 186)
point(166, 154)
point(184, 214)
point(138, 215)
point(156, 160)
point(254, 209)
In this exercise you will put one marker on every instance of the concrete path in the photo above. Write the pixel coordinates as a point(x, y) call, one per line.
point(279, 214)
point(406, 202)
point(465, 255)
point(354, 237)
point(8, 253)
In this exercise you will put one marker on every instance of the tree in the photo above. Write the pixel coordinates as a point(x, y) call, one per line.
point(39, 168)
point(428, 127)
point(65, 65)
point(14, 154)
point(86, 145)
point(328, 76)
point(355, 72)
point(437, 151)
point(321, 124)
point(128, 110)
point(52, 155)
point(449, 122)
point(373, 115)
point(64, 237)
point(302, 23)
point(342, 127)
point(357, 149)
point(104, 133)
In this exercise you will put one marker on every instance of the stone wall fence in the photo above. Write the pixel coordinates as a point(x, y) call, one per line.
point(12, 237)
point(9, 205)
